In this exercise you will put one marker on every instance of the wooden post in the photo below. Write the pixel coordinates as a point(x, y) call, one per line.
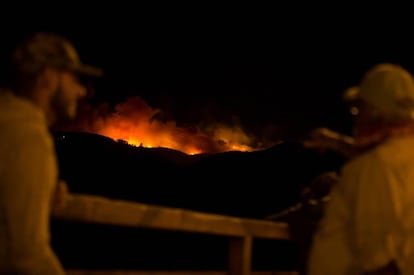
point(240, 255)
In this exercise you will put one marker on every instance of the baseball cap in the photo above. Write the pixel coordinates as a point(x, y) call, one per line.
point(386, 87)
point(43, 49)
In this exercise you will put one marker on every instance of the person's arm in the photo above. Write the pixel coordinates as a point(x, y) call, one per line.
point(329, 252)
point(324, 139)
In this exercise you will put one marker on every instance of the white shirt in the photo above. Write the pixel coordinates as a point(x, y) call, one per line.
point(28, 176)
point(369, 220)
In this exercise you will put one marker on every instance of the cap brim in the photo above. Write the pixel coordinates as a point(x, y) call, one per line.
point(88, 70)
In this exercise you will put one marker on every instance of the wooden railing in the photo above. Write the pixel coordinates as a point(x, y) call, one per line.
point(240, 231)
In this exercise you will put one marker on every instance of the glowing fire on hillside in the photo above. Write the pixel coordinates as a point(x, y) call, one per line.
point(134, 122)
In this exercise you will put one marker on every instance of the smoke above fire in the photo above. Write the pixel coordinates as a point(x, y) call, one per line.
point(136, 123)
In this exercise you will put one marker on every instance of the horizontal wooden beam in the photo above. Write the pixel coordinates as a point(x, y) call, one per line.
point(96, 209)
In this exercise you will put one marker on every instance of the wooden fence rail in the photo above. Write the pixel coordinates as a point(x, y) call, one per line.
point(240, 231)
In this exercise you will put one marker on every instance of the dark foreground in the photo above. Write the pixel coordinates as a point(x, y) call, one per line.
point(242, 184)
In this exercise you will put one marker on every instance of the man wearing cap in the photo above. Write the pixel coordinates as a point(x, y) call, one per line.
point(368, 225)
point(42, 89)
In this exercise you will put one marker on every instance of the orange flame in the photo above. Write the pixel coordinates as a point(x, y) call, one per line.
point(133, 121)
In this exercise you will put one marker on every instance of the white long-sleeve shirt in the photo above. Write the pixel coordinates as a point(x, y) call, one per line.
point(369, 220)
point(28, 176)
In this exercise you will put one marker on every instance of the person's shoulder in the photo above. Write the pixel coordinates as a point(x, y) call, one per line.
point(21, 123)
point(33, 134)
point(19, 110)
point(397, 141)
point(396, 149)
point(369, 160)
point(361, 157)
point(389, 153)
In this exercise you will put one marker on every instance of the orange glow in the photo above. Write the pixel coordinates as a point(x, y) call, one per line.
point(133, 122)
point(157, 134)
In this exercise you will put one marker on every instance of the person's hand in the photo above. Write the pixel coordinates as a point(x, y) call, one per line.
point(324, 139)
point(60, 195)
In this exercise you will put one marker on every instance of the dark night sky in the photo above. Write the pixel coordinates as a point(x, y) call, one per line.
point(259, 69)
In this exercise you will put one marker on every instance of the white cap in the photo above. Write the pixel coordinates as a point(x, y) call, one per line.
point(388, 88)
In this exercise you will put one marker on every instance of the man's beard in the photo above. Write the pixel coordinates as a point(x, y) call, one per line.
point(61, 107)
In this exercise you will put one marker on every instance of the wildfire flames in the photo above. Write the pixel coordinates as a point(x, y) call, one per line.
point(134, 122)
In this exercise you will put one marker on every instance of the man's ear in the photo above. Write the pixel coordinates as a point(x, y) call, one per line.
point(48, 79)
